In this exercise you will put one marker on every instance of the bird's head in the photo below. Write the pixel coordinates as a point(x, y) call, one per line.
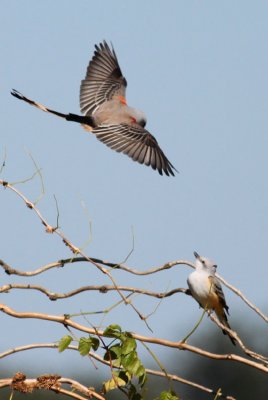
point(204, 263)
point(138, 117)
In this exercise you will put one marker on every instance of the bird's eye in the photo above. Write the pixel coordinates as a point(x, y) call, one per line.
point(203, 261)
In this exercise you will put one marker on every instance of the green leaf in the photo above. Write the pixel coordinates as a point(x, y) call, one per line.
point(129, 359)
point(113, 353)
point(64, 342)
point(84, 346)
point(95, 343)
point(124, 375)
point(116, 350)
point(129, 345)
point(168, 395)
point(112, 384)
point(120, 379)
point(141, 374)
point(140, 371)
point(113, 331)
point(133, 367)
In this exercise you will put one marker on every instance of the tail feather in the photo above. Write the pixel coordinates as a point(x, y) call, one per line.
point(223, 319)
point(85, 120)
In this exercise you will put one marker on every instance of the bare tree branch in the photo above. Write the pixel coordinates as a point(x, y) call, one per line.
point(172, 377)
point(100, 288)
point(75, 250)
point(61, 263)
point(97, 262)
point(106, 288)
point(64, 320)
point(20, 383)
point(243, 297)
point(52, 382)
point(249, 352)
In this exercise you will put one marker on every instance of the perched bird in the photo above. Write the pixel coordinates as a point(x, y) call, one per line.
point(107, 115)
point(207, 291)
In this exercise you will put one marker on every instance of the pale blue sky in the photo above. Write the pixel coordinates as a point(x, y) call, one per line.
point(199, 72)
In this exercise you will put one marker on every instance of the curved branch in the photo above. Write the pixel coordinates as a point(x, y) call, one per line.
point(75, 250)
point(99, 288)
point(50, 382)
point(172, 377)
point(57, 264)
point(60, 263)
point(12, 271)
point(249, 352)
point(105, 288)
point(240, 294)
point(64, 320)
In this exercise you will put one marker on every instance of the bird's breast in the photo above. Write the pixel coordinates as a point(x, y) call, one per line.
point(112, 112)
point(201, 289)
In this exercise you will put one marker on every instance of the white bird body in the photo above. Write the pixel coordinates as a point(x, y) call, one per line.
point(207, 291)
point(197, 282)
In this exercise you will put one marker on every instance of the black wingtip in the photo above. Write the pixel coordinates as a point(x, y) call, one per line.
point(168, 169)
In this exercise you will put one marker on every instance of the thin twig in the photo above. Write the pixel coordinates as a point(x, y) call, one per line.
point(195, 327)
point(75, 250)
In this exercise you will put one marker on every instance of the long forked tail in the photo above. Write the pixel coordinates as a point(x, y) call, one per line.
point(85, 120)
point(223, 319)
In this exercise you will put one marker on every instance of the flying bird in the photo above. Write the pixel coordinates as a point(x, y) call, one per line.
point(207, 291)
point(107, 115)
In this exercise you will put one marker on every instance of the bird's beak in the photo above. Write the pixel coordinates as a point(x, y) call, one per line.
point(196, 255)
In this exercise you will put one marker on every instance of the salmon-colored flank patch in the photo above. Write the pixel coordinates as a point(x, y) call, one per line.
point(122, 100)
point(213, 302)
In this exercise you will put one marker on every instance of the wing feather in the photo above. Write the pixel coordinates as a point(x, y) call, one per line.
point(136, 142)
point(103, 80)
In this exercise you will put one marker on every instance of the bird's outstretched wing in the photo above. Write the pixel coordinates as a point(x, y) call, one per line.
point(103, 80)
point(137, 143)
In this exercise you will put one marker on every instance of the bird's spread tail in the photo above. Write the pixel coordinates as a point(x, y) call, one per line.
point(85, 120)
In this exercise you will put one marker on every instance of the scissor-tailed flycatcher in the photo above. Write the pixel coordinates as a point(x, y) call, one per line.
point(107, 115)
point(207, 291)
